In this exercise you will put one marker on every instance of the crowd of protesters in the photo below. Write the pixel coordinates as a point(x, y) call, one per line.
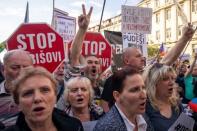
point(134, 98)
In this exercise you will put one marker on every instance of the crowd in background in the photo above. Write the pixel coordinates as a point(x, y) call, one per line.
point(137, 97)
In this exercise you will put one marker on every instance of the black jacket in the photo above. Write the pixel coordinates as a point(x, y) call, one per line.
point(62, 121)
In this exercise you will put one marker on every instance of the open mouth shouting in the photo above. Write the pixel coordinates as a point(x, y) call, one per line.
point(38, 110)
point(80, 100)
point(143, 105)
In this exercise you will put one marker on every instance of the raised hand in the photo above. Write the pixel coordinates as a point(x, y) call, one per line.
point(84, 19)
point(188, 32)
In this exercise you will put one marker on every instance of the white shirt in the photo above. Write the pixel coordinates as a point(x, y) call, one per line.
point(2, 88)
point(141, 123)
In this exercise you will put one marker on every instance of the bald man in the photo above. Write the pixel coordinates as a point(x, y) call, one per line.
point(133, 57)
point(13, 62)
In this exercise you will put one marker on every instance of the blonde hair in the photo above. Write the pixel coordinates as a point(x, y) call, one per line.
point(27, 73)
point(72, 82)
point(152, 75)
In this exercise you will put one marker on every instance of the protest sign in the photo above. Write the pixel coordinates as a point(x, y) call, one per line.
point(136, 19)
point(65, 25)
point(95, 44)
point(183, 123)
point(180, 11)
point(136, 40)
point(44, 44)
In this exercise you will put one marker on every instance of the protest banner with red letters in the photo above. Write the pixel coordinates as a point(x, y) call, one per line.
point(44, 44)
point(95, 44)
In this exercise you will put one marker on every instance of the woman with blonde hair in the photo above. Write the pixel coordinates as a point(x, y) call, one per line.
point(163, 106)
point(79, 95)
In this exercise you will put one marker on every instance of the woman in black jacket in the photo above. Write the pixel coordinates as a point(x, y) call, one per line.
point(35, 93)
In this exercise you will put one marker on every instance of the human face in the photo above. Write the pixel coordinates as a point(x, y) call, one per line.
point(60, 73)
point(93, 67)
point(132, 99)
point(79, 95)
point(37, 99)
point(135, 59)
point(165, 86)
point(194, 71)
point(183, 69)
point(14, 64)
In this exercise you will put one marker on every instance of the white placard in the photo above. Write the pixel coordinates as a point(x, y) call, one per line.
point(183, 123)
point(137, 40)
point(66, 27)
point(136, 19)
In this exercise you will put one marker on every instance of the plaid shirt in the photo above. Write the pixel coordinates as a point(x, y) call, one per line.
point(8, 108)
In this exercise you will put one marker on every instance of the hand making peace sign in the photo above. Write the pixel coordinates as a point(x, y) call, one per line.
point(84, 19)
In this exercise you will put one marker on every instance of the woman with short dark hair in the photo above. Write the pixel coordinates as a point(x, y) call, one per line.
point(130, 99)
point(35, 94)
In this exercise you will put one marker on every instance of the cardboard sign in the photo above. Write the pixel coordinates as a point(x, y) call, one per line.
point(66, 27)
point(135, 40)
point(136, 19)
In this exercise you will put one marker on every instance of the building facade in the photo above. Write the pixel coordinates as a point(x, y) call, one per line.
point(166, 22)
point(112, 24)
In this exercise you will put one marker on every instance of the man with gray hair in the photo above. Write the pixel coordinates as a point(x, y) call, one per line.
point(13, 62)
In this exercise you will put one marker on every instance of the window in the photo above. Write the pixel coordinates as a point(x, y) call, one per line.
point(157, 3)
point(157, 35)
point(157, 17)
point(194, 6)
point(168, 33)
point(168, 14)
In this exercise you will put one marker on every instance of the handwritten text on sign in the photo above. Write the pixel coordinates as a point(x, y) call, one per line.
point(136, 19)
point(66, 27)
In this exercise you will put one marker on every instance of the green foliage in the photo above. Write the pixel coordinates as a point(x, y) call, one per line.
point(152, 50)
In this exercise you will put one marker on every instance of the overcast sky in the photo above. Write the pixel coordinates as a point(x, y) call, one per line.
point(13, 12)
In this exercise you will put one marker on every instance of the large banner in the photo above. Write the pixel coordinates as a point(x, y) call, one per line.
point(65, 25)
point(136, 19)
point(115, 39)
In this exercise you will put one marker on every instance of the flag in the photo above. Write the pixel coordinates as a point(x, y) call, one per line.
point(162, 51)
point(26, 20)
point(2, 46)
